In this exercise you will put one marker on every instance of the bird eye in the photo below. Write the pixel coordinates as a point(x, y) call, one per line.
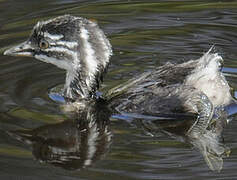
point(43, 44)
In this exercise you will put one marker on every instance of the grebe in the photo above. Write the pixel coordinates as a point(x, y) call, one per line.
point(79, 46)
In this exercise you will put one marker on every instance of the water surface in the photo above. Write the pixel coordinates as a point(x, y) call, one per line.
point(144, 34)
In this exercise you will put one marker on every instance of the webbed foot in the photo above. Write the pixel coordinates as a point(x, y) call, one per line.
point(205, 110)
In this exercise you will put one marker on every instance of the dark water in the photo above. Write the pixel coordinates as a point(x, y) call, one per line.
point(144, 34)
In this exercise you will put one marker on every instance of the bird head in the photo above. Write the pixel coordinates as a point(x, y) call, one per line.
point(72, 43)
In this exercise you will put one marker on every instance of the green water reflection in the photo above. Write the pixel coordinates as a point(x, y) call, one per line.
point(144, 34)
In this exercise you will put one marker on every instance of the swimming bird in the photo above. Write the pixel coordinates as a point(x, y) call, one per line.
point(77, 45)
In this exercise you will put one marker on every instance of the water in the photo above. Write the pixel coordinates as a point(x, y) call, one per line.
point(144, 34)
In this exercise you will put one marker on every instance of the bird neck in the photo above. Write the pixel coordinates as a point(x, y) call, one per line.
point(85, 73)
point(76, 86)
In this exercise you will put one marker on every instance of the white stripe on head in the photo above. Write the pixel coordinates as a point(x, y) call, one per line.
point(90, 58)
point(54, 37)
point(68, 44)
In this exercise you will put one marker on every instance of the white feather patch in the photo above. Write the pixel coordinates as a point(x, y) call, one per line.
point(107, 47)
point(54, 37)
point(68, 44)
point(208, 78)
point(90, 58)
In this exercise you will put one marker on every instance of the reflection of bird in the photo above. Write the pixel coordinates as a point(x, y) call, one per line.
point(78, 45)
point(72, 144)
point(210, 144)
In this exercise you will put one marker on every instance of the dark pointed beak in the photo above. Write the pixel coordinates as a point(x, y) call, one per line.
point(23, 49)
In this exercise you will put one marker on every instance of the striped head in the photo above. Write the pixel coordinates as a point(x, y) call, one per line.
point(72, 43)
